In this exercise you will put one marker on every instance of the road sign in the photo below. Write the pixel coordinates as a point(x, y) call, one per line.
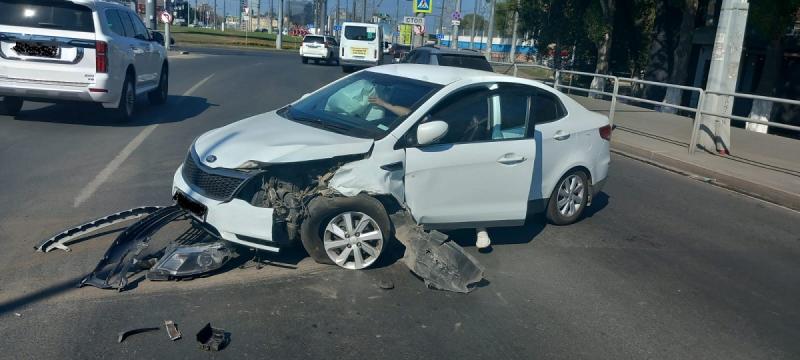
point(423, 6)
point(165, 17)
point(440, 36)
point(455, 22)
point(413, 20)
point(337, 28)
point(456, 15)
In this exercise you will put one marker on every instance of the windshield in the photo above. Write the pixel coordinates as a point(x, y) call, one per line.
point(60, 15)
point(362, 33)
point(314, 39)
point(366, 104)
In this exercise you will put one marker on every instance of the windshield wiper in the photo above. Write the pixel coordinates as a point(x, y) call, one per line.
point(50, 25)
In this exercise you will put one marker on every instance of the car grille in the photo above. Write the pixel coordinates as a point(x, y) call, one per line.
point(214, 186)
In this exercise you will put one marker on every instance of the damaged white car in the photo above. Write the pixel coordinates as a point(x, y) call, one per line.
point(455, 148)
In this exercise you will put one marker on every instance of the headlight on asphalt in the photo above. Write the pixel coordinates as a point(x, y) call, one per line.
point(190, 260)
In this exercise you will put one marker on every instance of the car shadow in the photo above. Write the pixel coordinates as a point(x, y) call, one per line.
point(176, 109)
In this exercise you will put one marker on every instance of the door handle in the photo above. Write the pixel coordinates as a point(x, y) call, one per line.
point(560, 135)
point(511, 159)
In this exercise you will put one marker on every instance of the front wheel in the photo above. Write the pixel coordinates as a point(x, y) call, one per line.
point(10, 105)
point(351, 232)
point(305, 60)
point(569, 198)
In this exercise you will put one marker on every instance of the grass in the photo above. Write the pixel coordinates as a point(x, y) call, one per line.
point(535, 73)
point(199, 36)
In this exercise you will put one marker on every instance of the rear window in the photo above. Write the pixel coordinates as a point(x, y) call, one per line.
point(61, 15)
point(314, 39)
point(363, 33)
point(469, 62)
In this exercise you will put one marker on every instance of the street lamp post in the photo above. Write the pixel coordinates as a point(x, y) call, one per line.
point(454, 36)
point(474, 20)
point(491, 30)
point(279, 38)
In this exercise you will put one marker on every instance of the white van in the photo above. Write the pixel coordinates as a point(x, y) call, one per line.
point(360, 45)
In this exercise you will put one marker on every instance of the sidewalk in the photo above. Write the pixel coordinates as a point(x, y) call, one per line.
point(764, 166)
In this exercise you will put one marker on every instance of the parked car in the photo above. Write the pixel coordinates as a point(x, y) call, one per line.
point(78, 50)
point(360, 45)
point(319, 47)
point(435, 55)
point(457, 148)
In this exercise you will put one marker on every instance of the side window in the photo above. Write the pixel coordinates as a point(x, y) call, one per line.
point(114, 23)
point(466, 114)
point(139, 29)
point(546, 108)
point(126, 23)
point(510, 114)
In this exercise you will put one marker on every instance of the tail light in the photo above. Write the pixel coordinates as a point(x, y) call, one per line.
point(101, 57)
point(605, 132)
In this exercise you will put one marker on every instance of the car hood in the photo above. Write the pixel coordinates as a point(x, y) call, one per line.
point(270, 138)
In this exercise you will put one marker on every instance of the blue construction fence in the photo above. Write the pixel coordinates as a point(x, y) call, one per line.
point(501, 48)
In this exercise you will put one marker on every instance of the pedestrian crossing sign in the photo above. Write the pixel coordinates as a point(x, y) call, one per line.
point(423, 6)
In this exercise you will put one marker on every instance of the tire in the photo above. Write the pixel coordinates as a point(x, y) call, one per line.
point(576, 183)
point(316, 61)
point(314, 233)
point(160, 94)
point(126, 104)
point(305, 60)
point(10, 105)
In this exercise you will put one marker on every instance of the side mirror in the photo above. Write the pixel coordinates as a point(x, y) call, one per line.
point(157, 37)
point(430, 132)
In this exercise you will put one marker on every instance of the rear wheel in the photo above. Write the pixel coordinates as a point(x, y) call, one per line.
point(305, 60)
point(10, 105)
point(127, 100)
point(159, 95)
point(569, 198)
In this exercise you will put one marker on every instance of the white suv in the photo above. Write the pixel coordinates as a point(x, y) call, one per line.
point(319, 47)
point(78, 50)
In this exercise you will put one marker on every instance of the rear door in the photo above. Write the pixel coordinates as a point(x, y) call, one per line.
point(147, 58)
point(361, 42)
point(47, 41)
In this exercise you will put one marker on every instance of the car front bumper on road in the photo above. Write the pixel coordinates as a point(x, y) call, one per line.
point(235, 220)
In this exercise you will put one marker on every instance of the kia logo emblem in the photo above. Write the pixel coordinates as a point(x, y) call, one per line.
point(211, 158)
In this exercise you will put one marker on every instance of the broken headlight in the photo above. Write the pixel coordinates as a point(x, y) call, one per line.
point(190, 260)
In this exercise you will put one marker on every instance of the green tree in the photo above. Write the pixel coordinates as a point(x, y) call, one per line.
point(770, 20)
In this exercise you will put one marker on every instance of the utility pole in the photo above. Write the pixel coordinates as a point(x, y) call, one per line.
point(454, 36)
point(279, 38)
point(364, 12)
point(474, 20)
point(271, 17)
point(224, 13)
point(150, 12)
point(513, 53)
point(723, 74)
point(491, 30)
point(336, 22)
point(215, 14)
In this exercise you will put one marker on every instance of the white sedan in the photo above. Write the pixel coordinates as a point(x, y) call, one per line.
point(456, 148)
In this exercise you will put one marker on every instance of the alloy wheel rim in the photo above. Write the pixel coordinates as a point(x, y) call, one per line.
point(570, 196)
point(353, 240)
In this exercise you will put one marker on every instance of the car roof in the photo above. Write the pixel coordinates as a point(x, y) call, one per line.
point(346, 23)
point(442, 75)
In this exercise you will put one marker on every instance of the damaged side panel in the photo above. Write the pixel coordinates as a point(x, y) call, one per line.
point(374, 175)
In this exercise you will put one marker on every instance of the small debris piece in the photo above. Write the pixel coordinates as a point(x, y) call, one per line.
point(172, 330)
point(124, 334)
point(385, 284)
point(17, 314)
point(213, 339)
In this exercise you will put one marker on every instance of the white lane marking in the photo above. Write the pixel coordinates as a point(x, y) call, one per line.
point(123, 155)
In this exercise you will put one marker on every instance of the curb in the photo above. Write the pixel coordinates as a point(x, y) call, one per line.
point(737, 184)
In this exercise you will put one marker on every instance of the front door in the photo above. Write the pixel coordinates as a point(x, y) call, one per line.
point(480, 172)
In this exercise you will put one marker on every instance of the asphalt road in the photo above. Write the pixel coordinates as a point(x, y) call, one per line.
point(662, 267)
